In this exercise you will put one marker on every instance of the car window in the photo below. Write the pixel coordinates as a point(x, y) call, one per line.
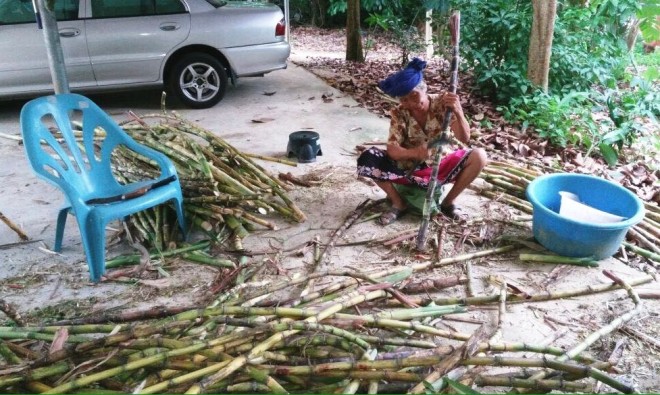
point(21, 11)
point(127, 8)
point(217, 3)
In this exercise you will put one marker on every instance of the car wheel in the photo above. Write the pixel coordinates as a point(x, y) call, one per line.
point(199, 80)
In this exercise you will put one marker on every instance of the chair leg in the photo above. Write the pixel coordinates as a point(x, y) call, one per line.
point(92, 232)
point(59, 230)
point(178, 206)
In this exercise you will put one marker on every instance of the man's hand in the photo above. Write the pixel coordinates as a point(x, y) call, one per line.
point(452, 101)
point(422, 152)
point(459, 124)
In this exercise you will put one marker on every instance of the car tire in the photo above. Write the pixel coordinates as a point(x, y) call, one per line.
point(199, 80)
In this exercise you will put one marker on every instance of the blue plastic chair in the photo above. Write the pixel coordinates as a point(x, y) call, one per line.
point(85, 176)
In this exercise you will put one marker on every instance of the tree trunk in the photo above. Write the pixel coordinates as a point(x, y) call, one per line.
point(319, 11)
point(540, 42)
point(428, 34)
point(353, 37)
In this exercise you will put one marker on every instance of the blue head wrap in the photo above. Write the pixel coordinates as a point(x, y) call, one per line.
point(403, 81)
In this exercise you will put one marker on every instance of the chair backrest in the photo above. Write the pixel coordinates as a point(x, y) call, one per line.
point(62, 147)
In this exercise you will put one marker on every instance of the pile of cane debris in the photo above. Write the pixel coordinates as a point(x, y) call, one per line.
point(362, 332)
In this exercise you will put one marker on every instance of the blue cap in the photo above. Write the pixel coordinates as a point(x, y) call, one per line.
point(403, 81)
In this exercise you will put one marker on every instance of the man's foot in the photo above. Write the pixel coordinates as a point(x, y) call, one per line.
point(452, 212)
point(391, 215)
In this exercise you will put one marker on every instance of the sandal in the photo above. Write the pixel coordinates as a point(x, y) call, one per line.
point(391, 215)
point(453, 212)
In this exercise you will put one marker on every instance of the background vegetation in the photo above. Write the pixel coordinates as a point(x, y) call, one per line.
point(603, 92)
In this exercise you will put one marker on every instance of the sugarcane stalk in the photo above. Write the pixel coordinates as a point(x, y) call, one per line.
point(467, 280)
point(134, 365)
point(35, 374)
point(607, 329)
point(518, 180)
point(9, 356)
point(223, 198)
point(513, 201)
point(182, 379)
point(454, 29)
point(240, 361)
point(135, 258)
point(271, 159)
point(262, 377)
point(348, 222)
point(316, 327)
point(142, 233)
point(71, 329)
point(649, 228)
point(512, 189)
point(642, 336)
point(25, 335)
point(525, 347)
point(198, 257)
point(485, 299)
point(543, 385)
point(564, 260)
point(642, 252)
point(254, 182)
point(242, 214)
point(12, 313)
point(235, 225)
point(464, 257)
point(642, 237)
point(397, 324)
point(451, 361)
point(14, 227)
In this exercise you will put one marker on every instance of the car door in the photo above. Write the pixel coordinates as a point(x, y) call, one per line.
point(128, 40)
point(24, 66)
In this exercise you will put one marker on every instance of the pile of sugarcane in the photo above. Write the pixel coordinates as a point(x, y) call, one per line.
point(359, 332)
point(506, 183)
point(226, 193)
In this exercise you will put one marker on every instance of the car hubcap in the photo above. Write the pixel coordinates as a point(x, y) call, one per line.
point(199, 82)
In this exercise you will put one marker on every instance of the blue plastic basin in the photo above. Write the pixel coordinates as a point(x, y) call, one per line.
point(573, 238)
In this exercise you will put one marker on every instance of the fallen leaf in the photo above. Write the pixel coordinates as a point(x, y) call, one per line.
point(262, 120)
point(159, 283)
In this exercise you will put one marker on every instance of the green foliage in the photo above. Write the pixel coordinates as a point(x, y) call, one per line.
point(569, 118)
point(649, 24)
point(651, 64)
point(589, 59)
point(398, 32)
point(339, 6)
point(589, 45)
point(554, 117)
point(492, 34)
point(459, 388)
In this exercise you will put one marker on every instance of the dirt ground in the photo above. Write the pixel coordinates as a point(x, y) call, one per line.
point(45, 287)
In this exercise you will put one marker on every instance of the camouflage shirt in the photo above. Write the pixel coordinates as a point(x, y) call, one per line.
point(407, 133)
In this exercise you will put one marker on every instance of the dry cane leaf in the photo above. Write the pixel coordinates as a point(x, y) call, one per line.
point(60, 339)
point(159, 283)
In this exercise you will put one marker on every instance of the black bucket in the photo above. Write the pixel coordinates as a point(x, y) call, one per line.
point(304, 145)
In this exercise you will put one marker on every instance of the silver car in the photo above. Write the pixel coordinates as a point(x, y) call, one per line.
point(192, 47)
